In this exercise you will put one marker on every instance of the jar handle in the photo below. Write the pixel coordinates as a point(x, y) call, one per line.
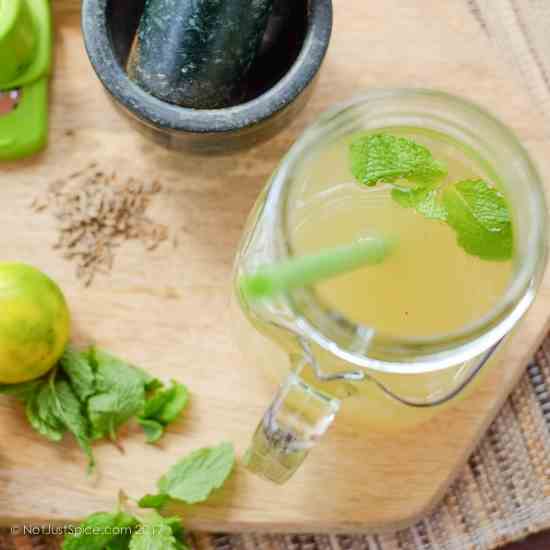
point(293, 424)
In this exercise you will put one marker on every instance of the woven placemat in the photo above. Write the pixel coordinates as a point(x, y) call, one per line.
point(502, 495)
point(520, 29)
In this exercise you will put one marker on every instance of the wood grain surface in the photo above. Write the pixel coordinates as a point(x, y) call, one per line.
point(169, 310)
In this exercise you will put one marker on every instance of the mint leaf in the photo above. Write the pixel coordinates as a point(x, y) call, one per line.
point(164, 406)
point(99, 531)
point(153, 501)
point(78, 368)
point(424, 200)
point(23, 391)
point(193, 478)
point(178, 398)
point(166, 403)
point(121, 542)
point(70, 412)
point(480, 218)
point(54, 409)
point(385, 158)
point(153, 430)
point(156, 403)
point(152, 384)
point(177, 528)
point(42, 414)
point(120, 394)
point(155, 534)
point(486, 204)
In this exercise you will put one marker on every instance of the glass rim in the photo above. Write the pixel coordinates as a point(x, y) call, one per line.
point(417, 355)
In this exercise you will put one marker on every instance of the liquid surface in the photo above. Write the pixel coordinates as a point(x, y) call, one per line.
point(428, 286)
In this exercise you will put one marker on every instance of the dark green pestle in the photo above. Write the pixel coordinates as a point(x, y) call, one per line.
point(197, 53)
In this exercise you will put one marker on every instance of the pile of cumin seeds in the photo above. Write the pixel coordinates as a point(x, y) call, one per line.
point(95, 212)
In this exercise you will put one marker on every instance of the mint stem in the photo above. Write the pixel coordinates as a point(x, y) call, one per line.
point(304, 271)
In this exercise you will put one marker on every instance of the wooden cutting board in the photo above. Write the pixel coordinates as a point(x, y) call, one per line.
point(169, 310)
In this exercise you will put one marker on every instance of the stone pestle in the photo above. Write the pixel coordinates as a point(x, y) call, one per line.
point(197, 53)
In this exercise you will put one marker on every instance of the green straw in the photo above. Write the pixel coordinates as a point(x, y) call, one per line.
point(307, 270)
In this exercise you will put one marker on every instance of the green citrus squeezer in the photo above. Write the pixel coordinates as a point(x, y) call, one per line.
point(25, 62)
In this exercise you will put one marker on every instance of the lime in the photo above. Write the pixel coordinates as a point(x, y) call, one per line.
point(34, 323)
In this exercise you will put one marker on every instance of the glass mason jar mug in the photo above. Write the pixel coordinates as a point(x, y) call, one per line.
point(327, 361)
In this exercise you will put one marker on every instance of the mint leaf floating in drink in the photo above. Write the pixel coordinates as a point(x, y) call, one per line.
point(376, 158)
point(424, 200)
point(304, 271)
point(383, 158)
point(480, 217)
point(486, 204)
point(193, 478)
point(476, 211)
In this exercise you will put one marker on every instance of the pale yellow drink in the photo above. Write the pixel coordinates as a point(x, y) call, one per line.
point(427, 287)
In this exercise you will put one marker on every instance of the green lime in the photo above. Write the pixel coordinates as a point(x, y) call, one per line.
point(34, 323)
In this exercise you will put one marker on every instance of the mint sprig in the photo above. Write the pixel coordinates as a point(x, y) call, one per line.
point(92, 394)
point(476, 211)
point(376, 158)
point(191, 480)
point(121, 530)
